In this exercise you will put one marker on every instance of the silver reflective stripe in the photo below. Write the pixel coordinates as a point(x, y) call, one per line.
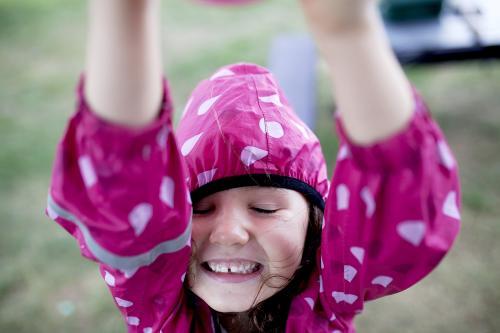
point(124, 263)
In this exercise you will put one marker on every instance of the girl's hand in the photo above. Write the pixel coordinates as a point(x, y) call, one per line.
point(329, 18)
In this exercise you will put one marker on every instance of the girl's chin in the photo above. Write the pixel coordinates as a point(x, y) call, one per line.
point(229, 292)
point(225, 297)
point(223, 307)
point(225, 300)
point(232, 297)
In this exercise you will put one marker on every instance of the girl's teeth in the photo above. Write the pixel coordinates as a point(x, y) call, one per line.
point(232, 268)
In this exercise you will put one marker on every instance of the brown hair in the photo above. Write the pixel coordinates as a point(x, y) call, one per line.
point(270, 315)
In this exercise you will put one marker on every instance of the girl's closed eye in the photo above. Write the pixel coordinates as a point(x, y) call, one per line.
point(200, 209)
point(264, 209)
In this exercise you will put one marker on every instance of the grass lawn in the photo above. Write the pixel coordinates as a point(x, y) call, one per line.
point(45, 286)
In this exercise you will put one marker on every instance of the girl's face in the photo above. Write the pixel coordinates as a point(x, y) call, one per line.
point(248, 242)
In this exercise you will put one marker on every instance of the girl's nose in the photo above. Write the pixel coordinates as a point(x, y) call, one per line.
point(229, 230)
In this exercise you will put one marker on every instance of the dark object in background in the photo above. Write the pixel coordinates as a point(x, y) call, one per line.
point(410, 10)
point(432, 31)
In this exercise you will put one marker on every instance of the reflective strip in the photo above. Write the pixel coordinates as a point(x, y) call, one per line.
point(124, 263)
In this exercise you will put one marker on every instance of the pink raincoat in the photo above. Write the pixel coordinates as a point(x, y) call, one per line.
point(391, 210)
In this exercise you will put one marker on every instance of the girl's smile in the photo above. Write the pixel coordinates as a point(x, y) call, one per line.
point(247, 244)
point(231, 270)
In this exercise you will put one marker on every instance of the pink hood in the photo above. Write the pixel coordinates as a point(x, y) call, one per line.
point(238, 123)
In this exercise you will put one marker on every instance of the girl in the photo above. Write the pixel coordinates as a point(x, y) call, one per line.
point(268, 245)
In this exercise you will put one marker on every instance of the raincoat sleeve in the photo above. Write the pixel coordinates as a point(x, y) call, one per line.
point(121, 193)
point(391, 215)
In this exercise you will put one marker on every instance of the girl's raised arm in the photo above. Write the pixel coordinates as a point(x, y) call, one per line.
point(124, 68)
point(373, 95)
point(393, 210)
point(118, 182)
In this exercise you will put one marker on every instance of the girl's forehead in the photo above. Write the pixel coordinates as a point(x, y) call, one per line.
point(264, 192)
point(265, 189)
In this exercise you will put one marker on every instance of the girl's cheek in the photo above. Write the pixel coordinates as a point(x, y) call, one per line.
point(199, 232)
point(197, 240)
point(284, 245)
point(283, 249)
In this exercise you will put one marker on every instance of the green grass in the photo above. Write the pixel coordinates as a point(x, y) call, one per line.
point(42, 274)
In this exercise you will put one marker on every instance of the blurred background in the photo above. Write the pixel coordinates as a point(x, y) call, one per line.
point(45, 286)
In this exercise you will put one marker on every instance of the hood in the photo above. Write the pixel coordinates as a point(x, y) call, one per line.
point(239, 130)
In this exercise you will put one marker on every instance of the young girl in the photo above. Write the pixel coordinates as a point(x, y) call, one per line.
point(268, 245)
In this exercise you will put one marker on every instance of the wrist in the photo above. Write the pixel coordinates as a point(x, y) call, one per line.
point(354, 24)
point(365, 33)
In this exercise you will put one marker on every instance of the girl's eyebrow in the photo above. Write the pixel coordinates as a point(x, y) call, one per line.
point(275, 191)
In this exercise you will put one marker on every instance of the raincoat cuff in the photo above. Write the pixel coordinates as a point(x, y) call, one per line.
point(93, 125)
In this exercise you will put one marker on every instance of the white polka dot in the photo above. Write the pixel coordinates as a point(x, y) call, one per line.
point(133, 321)
point(123, 303)
point(349, 298)
point(412, 231)
point(110, 279)
point(450, 207)
point(323, 222)
point(343, 153)
point(310, 302)
point(321, 262)
point(167, 189)
point(250, 155)
point(189, 144)
point(349, 273)
point(206, 177)
point(301, 128)
point(342, 197)
point(358, 253)
point(336, 331)
point(205, 106)
point(333, 317)
point(273, 128)
point(342, 297)
point(275, 99)
point(139, 217)
point(162, 136)
point(367, 197)
point(221, 73)
point(183, 277)
point(87, 171)
point(382, 280)
point(147, 330)
point(188, 105)
point(321, 284)
point(446, 157)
